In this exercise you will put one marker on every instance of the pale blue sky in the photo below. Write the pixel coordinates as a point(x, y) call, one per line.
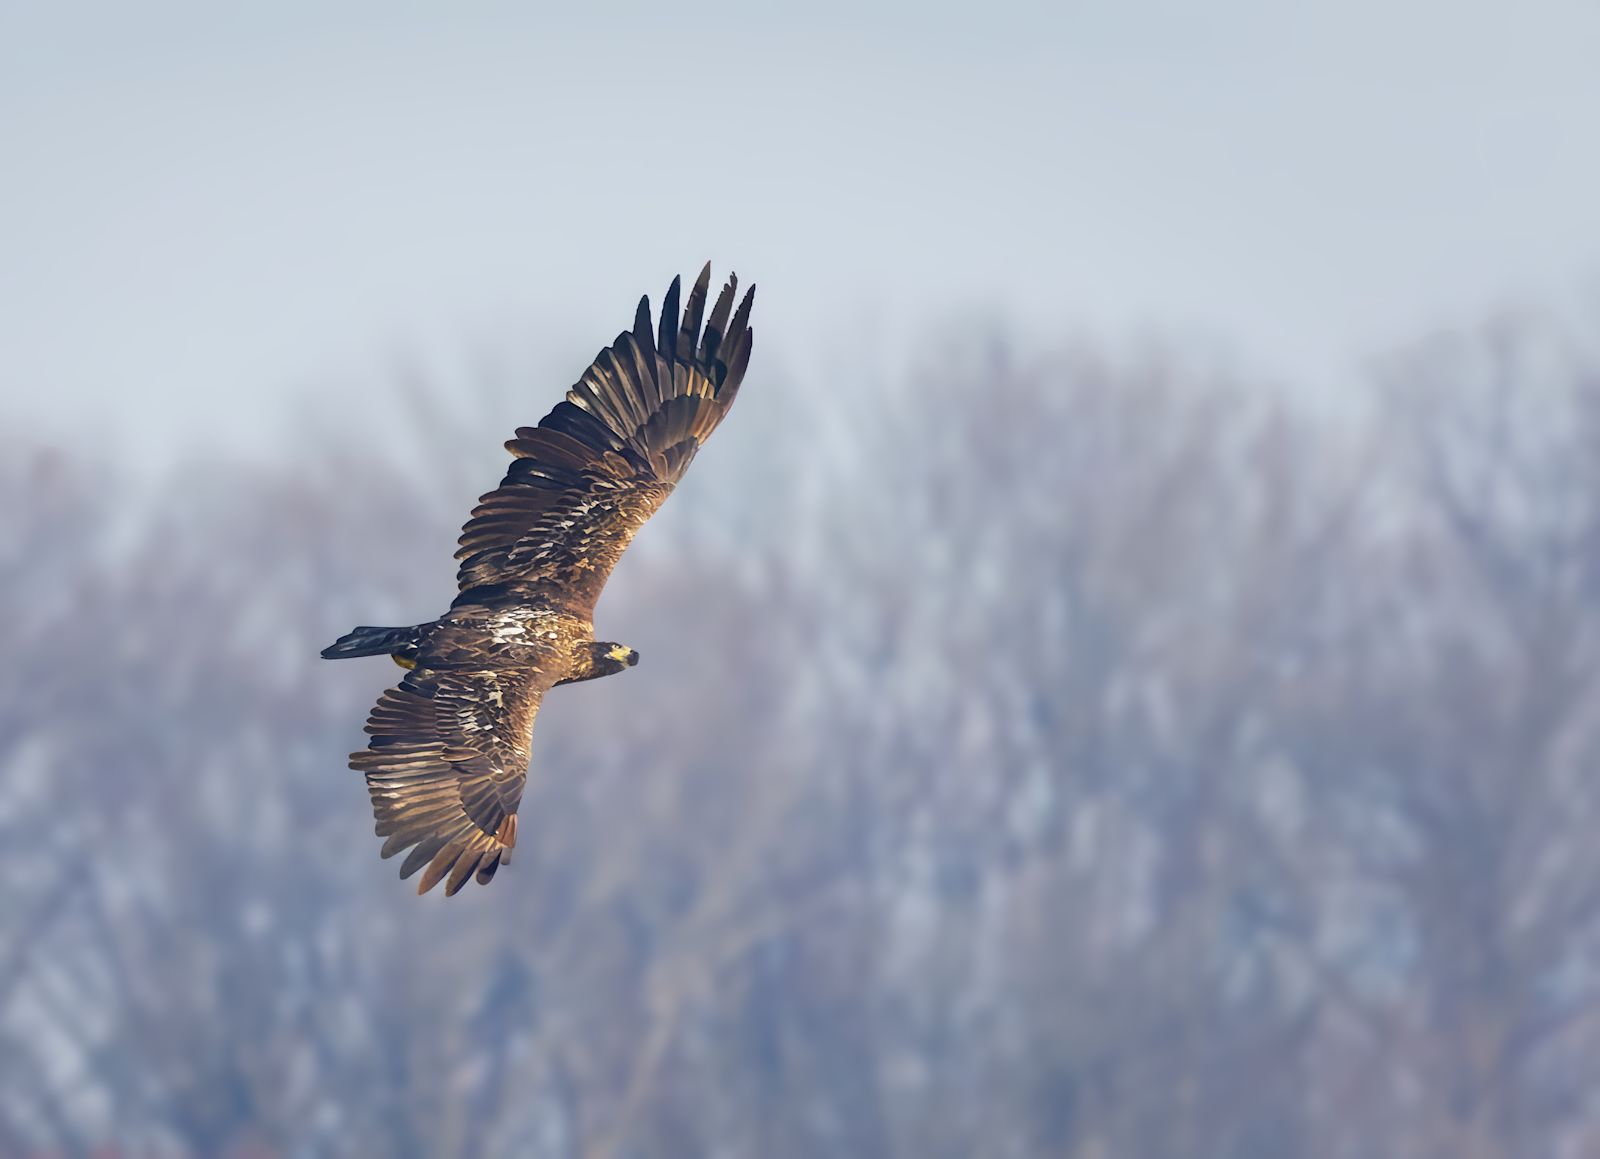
point(206, 211)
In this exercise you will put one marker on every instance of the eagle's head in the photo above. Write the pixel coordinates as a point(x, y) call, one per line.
point(598, 658)
point(619, 654)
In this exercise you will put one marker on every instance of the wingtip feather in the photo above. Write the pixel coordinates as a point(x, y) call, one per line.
point(667, 328)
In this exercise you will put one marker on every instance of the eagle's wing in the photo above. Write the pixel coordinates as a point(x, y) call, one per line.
point(599, 464)
point(446, 766)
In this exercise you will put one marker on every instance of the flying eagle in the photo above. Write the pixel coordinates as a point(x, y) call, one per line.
point(448, 757)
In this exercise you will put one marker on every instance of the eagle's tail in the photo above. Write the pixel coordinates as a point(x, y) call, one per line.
point(365, 641)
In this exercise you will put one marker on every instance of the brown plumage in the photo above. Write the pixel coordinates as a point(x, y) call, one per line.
point(448, 754)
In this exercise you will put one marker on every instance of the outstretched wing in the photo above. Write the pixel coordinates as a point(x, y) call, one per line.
point(446, 767)
point(600, 464)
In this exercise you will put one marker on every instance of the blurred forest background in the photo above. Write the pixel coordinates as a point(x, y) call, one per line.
point(1047, 752)
point(1091, 704)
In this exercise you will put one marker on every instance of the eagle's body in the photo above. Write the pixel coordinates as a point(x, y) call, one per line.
point(448, 755)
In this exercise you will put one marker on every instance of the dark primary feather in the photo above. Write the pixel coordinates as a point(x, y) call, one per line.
point(606, 457)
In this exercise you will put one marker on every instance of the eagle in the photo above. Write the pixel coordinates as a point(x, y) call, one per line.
point(448, 755)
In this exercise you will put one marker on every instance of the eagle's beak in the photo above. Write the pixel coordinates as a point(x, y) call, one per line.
point(624, 655)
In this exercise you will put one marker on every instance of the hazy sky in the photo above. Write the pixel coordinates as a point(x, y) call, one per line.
point(205, 211)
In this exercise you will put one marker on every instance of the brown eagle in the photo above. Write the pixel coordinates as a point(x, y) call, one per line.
point(448, 756)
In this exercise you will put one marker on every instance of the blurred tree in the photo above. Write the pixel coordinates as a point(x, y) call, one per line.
point(1064, 754)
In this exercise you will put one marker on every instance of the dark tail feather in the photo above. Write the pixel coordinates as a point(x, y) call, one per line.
point(373, 642)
